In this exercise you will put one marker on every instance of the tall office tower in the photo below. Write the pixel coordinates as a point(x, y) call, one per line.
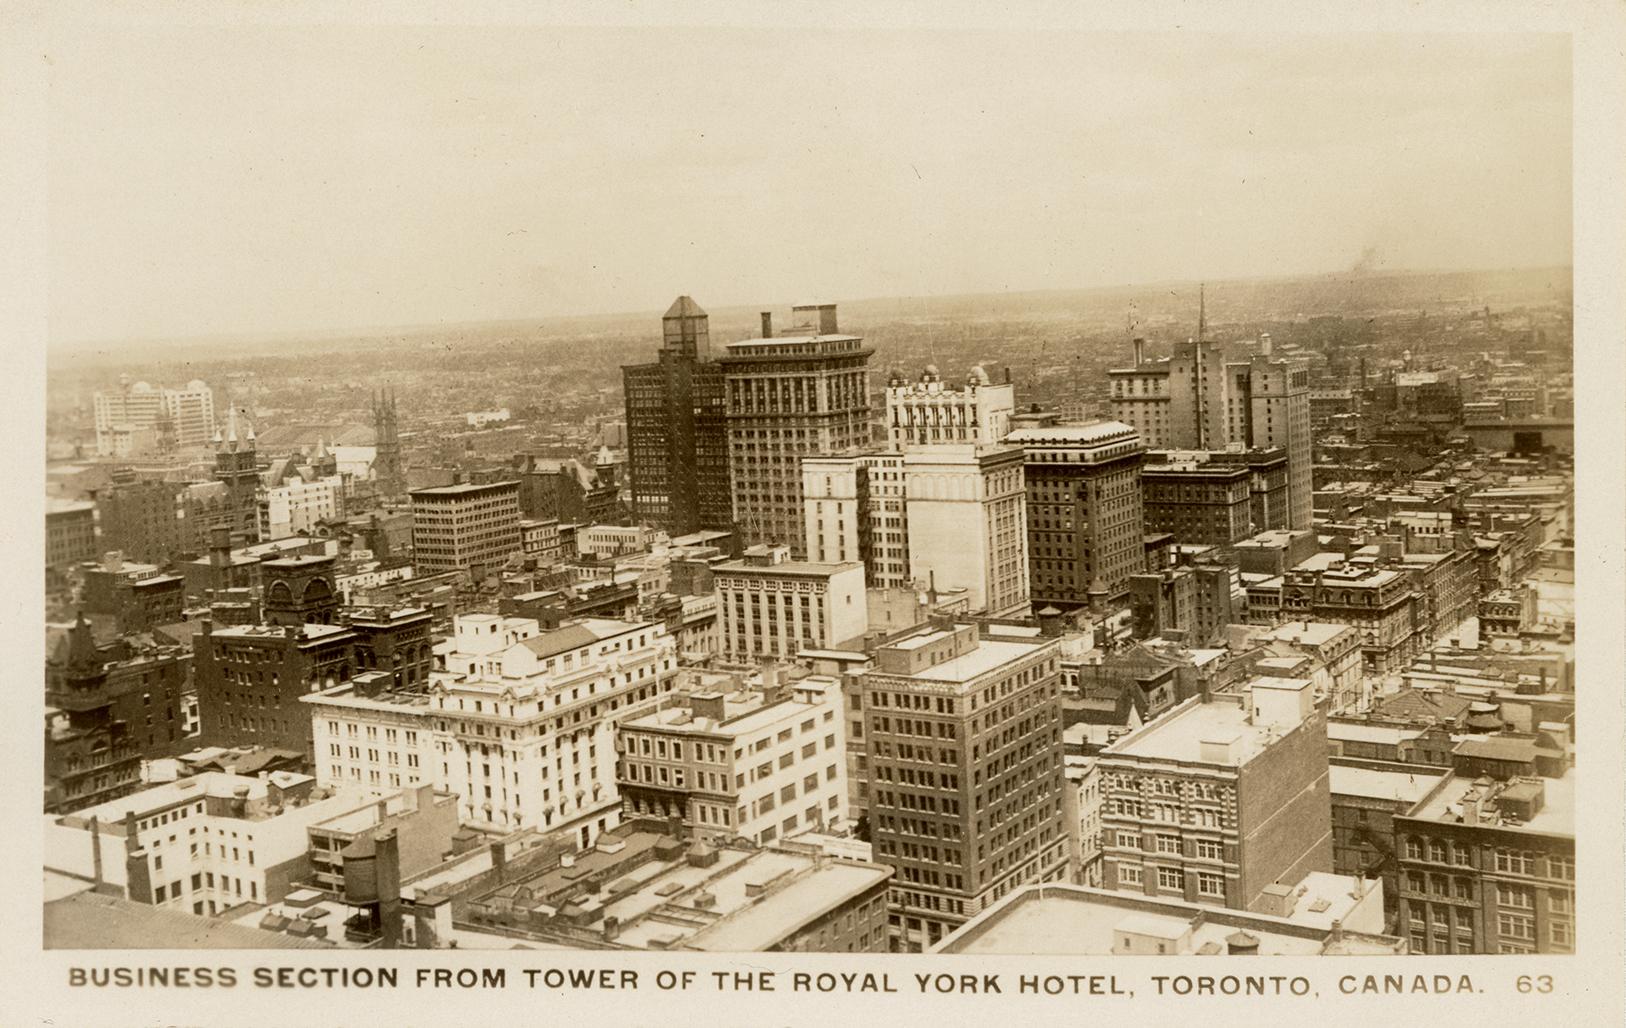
point(237, 467)
point(677, 441)
point(465, 526)
point(1273, 396)
point(965, 752)
point(790, 396)
point(1222, 801)
point(967, 509)
point(855, 510)
point(925, 412)
point(1195, 400)
point(1085, 533)
point(387, 469)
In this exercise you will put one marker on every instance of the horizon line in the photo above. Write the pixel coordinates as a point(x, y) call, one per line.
point(418, 328)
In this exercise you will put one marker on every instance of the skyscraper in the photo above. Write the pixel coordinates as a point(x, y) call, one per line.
point(790, 396)
point(1085, 535)
point(1195, 400)
point(677, 443)
point(965, 752)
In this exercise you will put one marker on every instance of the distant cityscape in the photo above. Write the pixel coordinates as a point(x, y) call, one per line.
point(1234, 618)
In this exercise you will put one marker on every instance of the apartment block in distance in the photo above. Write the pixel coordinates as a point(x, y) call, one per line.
point(965, 754)
point(789, 396)
point(1223, 801)
point(1085, 535)
point(764, 761)
point(466, 526)
point(772, 606)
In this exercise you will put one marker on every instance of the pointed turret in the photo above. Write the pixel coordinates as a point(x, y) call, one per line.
point(82, 651)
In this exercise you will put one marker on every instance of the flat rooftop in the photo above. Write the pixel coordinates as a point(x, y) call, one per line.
point(1074, 920)
point(789, 567)
point(1180, 734)
point(1402, 786)
point(1354, 732)
point(1556, 817)
point(89, 920)
point(989, 654)
point(773, 916)
point(1310, 633)
point(462, 488)
point(306, 632)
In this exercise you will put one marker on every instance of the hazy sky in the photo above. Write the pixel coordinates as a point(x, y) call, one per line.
point(265, 180)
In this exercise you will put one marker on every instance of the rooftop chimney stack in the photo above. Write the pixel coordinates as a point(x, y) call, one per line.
point(1140, 351)
point(767, 324)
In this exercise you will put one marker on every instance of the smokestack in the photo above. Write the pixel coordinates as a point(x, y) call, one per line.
point(1140, 351)
point(1264, 343)
point(96, 851)
point(767, 324)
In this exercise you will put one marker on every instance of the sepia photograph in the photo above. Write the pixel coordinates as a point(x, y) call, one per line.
point(619, 495)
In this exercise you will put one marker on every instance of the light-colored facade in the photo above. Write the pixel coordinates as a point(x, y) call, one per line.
point(373, 738)
point(772, 606)
point(464, 526)
point(928, 413)
point(612, 540)
point(136, 415)
point(967, 515)
point(524, 721)
point(296, 505)
point(763, 763)
point(1220, 802)
point(205, 843)
point(855, 510)
point(1338, 649)
point(517, 722)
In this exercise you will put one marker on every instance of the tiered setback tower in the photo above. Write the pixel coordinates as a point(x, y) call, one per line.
point(790, 396)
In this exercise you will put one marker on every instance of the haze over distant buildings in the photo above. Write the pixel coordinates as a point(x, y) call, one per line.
point(258, 180)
